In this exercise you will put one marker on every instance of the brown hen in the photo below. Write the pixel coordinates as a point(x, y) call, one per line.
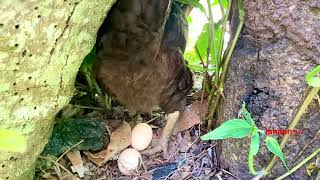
point(140, 61)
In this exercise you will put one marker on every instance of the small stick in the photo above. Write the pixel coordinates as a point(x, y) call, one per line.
point(306, 146)
point(300, 164)
point(69, 150)
point(56, 163)
point(88, 107)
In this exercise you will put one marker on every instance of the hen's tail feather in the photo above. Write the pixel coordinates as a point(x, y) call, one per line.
point(133, 30)
point(176, 29)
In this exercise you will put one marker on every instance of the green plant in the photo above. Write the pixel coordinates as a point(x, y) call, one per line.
point(246, 127)
point(312, 78)
point(211, 53)
point(95, 90)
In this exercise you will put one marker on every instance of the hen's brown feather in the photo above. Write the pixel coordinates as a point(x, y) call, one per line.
point(140, 63)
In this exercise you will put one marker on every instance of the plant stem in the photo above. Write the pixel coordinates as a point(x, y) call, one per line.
point(211, 37)
point(293, 124)
point(223, 20)
point(224, 29)
point(234, 41)
point(227, 60)
point(250, 162)
point(212, 34)
point(300, 164)
point(221, 8)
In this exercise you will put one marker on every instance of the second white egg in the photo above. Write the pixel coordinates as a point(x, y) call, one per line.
point(141, 136)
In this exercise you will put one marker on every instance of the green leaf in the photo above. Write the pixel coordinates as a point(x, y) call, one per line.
point(235, 128)
point(255, 143)
point(86, 65)
point(225, 4)
point(12, 141)
point(217, 38)
point(313, 78)
point(214, 3)
point(191, 57)
point(202, 42)
point(274, 147)
point(247, 115)
point(193, 3)
point(189, 19)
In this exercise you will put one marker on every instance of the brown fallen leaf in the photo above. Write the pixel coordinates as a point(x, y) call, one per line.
point(120, 139)
point(77, 164)
point(183, 145)
point(183, 173)
point(75, 157)
point(190, 117)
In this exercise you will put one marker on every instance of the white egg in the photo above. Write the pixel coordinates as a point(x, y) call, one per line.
point(129, 161)
point(141, 136)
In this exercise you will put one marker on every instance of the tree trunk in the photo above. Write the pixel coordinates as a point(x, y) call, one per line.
point(279, 44)
point(42, 44)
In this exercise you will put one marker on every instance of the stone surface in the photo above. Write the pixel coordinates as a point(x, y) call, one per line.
point(280, 43)
point(42, 44)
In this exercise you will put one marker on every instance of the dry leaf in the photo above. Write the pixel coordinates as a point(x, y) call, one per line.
point(75, 157)
point(189, 117)
point(49, 176)
point(120, 139)
point(68, 176)
point(77, 164)
point(183, 173)
point(184, 145)
point(80, 169)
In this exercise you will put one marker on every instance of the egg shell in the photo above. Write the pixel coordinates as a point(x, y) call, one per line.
point(129, 161)
point(141, 136)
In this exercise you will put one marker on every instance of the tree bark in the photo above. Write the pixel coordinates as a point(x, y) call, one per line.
point(42, 44)
point(279, 44)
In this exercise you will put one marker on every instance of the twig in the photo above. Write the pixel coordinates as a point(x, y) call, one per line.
point(229, 173)
point(293, 124)
point(69, 150)
point(199, 55)
point(108, 130)
point(185, 153)
point(306, 146)
point(56, 163)
point(143, 165)
point(300, 164)
point(58, 172)
point(204, 80)
point(148, 122)
point(88, 107)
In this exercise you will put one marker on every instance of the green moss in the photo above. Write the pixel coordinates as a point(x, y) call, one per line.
point(70, 132)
